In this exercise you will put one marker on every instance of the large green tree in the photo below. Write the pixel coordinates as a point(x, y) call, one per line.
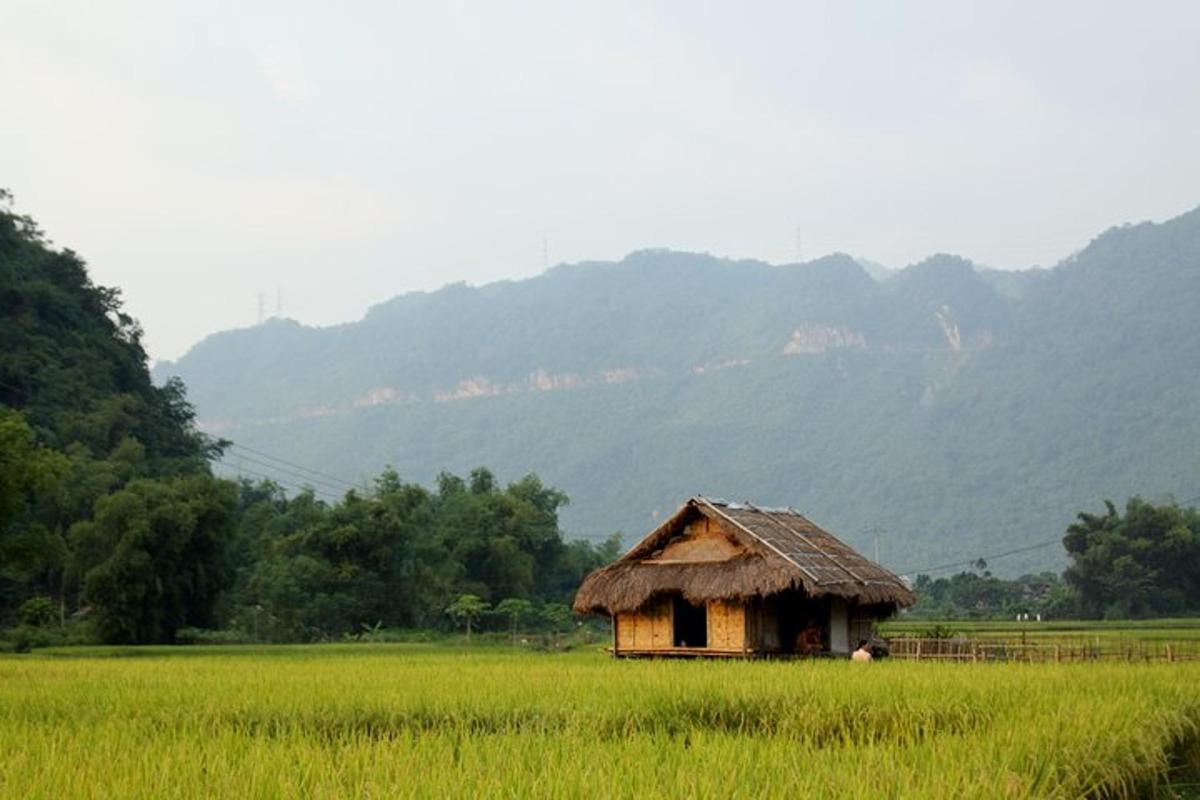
point(1144, 562)
point(154, 558)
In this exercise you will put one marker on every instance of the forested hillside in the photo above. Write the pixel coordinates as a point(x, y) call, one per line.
point(949, 411)
point(113, 527)
point(88, 439)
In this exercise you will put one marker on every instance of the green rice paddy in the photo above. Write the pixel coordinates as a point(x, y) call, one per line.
point(369, 721)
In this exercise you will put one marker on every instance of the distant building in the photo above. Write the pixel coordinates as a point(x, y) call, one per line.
point(732, 579)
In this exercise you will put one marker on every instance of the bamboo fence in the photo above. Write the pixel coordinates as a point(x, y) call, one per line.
point(1035, 651)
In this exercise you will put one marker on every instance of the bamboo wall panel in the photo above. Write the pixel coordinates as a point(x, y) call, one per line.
point(661, 628)
point(717, 625)
point(648, 628)
point(726, 625)
point(626, 628)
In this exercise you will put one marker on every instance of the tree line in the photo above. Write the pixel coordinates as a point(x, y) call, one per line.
point(130, 557)
point(1143, 562)
point(403, 556)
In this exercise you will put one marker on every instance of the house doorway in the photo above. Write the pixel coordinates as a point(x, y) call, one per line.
point(690, 623)
point(795, 612)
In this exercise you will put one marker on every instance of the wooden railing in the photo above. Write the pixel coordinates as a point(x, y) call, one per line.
point(1058, 650)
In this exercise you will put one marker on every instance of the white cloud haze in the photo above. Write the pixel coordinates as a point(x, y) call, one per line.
point(197, 154)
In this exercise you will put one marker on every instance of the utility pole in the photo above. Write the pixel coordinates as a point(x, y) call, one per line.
point(262, 307)
point(545, 254)
point(279, 302)
point(799, 246)
point(875, 533)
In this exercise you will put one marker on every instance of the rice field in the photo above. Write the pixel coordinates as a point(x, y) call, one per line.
point(371, 721)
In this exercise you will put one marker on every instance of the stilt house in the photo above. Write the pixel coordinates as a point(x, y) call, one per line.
point(732, 579)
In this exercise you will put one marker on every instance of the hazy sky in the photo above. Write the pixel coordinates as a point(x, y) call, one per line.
point(197, 154)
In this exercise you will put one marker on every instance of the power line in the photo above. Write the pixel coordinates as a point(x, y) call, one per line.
point(298, 475)
point(592, 537)
point(969, 562)
point(241, 471)
point(595, 537)
point(294, 465)
point(1006, 553)
point(302, 478)
point(291, 481)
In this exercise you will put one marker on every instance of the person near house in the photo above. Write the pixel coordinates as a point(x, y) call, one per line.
point(863, 653)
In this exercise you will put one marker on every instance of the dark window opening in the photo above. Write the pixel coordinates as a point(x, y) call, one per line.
point(691, 624)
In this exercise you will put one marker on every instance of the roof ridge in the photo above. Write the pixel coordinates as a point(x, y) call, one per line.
point(741, 505)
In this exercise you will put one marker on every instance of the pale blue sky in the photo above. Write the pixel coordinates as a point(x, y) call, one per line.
point(197, 154)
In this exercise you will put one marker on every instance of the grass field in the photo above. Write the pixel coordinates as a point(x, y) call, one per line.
point(369, 721)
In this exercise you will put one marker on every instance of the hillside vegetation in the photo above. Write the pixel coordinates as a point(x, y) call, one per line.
point(953, 412)
point(106, 498)
point(113, 527)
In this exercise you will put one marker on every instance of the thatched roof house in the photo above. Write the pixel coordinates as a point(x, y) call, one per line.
point(722, 578)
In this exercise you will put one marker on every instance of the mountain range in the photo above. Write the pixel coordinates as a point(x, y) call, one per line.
point(939, 414)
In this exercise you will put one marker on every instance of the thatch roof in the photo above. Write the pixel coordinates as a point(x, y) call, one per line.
point(777, 550)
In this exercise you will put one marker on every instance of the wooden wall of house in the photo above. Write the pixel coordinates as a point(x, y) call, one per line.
point(652, 627)
point(734, 626)
point(726, 625)
point(648, 628)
